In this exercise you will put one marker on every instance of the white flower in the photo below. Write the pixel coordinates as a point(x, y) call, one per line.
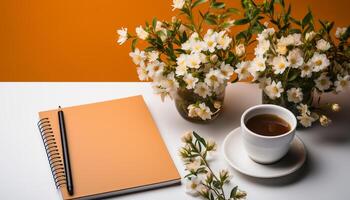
point(281, 48)
point(258, 64)
point(293, 39)
point(261, 48)
point(223, 40)
point(202, 90)
point(280, 64)
point(214, 78)
point(265, 34)
point(181, 70)
point(193, 60)
point(286, 41)
point(323, 45)
point(240, 50)
point(295, 58)
point(310, 35)
point(178, 4)
point(152, 56)
point(274, 90)
point(243, 70)
point(304, 109)
point(192, 110)
point(141, 33)
point(190, 81)
point(138, 57)
point(203, 57)
point(165, 86)
point(323, 82)
point(342, 83)
point(295, 95)
point(194, 165)
point(155, 69)
point(194, 186)
point(226, 70)
point(204, 112)
point(305, 120)
point(340, 32)
point(142, 73)
point(210, 40)
point(123, 35)
point(306, 70)
point(186, 46)
point(181, 60)
point(320, 62)
point(197, 46)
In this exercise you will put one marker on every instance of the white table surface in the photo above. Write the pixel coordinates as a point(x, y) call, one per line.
point(25, 173)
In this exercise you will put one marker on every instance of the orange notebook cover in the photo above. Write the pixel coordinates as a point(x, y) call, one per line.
point(114, 148)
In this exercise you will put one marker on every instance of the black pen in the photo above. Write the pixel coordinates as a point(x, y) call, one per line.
point(66, 162)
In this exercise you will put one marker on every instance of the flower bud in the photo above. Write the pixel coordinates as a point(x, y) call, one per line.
point(174, 19)
point(310, 35)
point(266, 24)
point(224, 175)
point(187, 137)
point(240, 194)
point(335, 107)
point(211, 145)
point(240, 50)
point(217, 104)
point(214, 58)
point(209, 177)
point(325, 121)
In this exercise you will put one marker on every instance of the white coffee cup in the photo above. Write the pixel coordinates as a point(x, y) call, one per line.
point(267, 149)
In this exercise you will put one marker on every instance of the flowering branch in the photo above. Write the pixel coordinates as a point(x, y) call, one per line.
point(181, 57)
point(201, 178)
point(294, 63)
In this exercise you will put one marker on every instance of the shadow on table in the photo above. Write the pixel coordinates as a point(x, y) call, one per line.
point(338, 133)
point(290, 179)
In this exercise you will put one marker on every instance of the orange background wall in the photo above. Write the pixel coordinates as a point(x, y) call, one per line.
point(75, 40)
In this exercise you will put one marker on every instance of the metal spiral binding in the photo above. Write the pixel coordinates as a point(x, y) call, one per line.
point(53, 155)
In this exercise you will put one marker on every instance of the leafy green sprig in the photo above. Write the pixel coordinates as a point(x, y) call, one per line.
point(211, 185)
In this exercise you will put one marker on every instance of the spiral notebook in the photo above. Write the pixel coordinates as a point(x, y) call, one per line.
point(114, 147)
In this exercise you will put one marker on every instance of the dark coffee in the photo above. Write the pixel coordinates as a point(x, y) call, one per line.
point(268, 125)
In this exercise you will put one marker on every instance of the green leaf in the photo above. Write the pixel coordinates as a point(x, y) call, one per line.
point(242, 21)
point(293, 30)
point(218, 5)
point(281, 2)
point(307, 19)
point(154, 23)
point(226, 25)
point(293, 76)
point(295, 21)
point(233, 192)
point(199, 138)
point(133, 44)
point(241, 35)
point(210, 19)
point(233, 10)
point(198, 2)
point(217, 184)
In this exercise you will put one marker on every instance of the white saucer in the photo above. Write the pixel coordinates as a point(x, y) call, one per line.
point(237, 157)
